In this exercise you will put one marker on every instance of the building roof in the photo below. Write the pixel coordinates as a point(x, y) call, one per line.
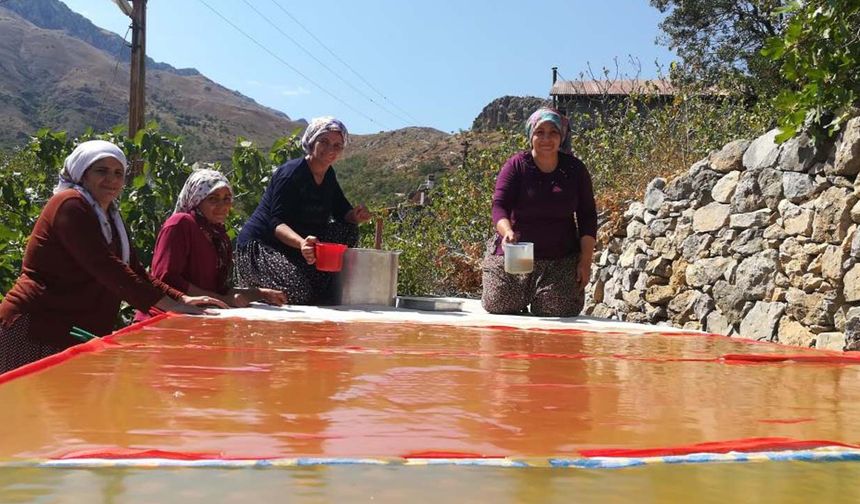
point(622, 87)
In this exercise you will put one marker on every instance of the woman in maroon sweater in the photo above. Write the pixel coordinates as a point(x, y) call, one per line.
point(79, 265)
point(544, 196)
point(193, 252)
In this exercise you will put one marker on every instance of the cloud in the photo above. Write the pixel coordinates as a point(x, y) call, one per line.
point(300, 90)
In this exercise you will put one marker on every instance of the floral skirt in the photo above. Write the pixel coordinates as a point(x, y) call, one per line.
point(550, 290)
point(18, 349)
point(260, 265)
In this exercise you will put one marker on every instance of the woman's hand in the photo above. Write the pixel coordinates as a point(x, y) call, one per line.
point(237, 299)
point(509, 237)
point(168, 304)
point(308, 248)
point(506, 231)
point(204, 301)
point(272, 297)
point(583, 272)
point(358, 215)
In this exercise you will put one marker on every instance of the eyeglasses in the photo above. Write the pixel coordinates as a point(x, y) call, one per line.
point(326, 145)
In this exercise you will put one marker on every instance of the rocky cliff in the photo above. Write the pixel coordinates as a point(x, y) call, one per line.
point(507, 112)
point(758, 240)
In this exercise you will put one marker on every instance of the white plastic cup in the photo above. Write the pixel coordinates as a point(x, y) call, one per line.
point(519, 257)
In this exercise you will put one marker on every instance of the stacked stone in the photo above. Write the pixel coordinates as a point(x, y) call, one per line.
point(758, 240)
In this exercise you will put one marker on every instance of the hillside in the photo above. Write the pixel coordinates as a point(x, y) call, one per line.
point(59, 71)
point(385, 168)
point(53, 15)
point(51, 79)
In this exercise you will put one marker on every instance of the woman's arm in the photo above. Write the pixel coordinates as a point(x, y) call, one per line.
point(506, 231)
point(586, 257)
point(268, 296)
point(504, 200)
point(241, 297)
point(357, 215)
point(586, 219)
point(286, 235)
point(290, 238)
point(77, 230)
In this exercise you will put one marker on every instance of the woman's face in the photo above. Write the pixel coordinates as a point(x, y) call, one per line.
point(545, 138)
point(104, 180)
point(216, 207)
point(328, 147)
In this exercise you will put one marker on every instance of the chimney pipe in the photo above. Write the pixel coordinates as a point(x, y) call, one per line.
point(554, 74)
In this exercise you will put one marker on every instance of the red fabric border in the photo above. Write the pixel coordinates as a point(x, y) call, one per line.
point(93, 345)
point(134, 453)
point(826, 358)
point(733, 445)
point(744, 445)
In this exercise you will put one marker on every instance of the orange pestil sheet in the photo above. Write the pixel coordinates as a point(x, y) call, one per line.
point(230, 388)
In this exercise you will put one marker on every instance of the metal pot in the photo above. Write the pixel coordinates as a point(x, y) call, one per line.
point(368, 276)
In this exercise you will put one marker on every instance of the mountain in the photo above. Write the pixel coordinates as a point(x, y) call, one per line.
point(56, 16)
point(60, 71)
point(56, 71)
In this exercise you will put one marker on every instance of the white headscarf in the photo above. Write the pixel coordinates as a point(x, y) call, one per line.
point(199, 185)
point(76, 164)
point(317, 127)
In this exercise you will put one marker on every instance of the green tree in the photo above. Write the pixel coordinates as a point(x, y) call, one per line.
point(719, 41)
point(27, 178)
point(819, 55)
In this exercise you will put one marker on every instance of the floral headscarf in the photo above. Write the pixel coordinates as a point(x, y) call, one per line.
point(74, 168)
point(553, 116)
point(317, 127)
point(199, 185)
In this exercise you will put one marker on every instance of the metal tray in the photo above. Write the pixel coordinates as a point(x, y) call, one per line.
point(430, 303)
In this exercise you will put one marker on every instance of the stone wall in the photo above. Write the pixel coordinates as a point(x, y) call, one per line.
point(758, 240)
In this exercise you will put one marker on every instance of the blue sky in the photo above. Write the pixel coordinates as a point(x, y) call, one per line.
point(428, 63)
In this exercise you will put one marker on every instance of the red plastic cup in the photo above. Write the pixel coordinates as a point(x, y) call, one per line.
point(329, 256)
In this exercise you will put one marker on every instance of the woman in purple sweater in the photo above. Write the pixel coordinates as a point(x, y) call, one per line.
point(543, 195)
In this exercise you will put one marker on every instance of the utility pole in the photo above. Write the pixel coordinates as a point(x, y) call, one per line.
point(137, 91)
point(136, 10)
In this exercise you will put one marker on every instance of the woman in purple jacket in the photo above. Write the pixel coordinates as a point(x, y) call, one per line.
point(544, 196)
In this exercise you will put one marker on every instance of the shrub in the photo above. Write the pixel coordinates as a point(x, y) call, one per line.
point(27, 178)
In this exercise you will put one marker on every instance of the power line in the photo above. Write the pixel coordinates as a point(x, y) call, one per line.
point(122, 46)
point(344, 63)
point(291, 67)
point(294, 41)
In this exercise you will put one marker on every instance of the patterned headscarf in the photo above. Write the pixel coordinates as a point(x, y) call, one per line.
point(199, 185)
point(554, 117)
point(317, 127)
point(74, 168)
